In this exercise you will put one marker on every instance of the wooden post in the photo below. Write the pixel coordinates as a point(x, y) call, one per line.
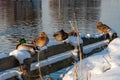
point(25, 69)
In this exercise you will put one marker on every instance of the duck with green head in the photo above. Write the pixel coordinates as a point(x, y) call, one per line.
point(22, 45)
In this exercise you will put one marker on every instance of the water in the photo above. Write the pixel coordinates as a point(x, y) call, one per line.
point(26, 19)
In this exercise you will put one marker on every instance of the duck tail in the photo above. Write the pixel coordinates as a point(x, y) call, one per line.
point(72, 33)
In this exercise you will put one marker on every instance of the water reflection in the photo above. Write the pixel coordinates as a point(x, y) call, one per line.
point(110, 14)
point(47, 19)
point(26, 18)
point(17, 20)
point(87, 13)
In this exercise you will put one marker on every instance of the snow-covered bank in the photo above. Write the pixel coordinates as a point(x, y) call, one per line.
point(104, 65)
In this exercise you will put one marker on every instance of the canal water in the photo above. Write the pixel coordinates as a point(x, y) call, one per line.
point(26, 18)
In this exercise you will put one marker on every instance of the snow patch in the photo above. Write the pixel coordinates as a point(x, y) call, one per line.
point(3, 55)
point(10, 74)
point(20, 55)
point(104, 65)
point(74, 40)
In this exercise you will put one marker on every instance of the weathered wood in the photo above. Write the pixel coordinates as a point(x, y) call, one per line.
point(10, 62)
point(48, 69)
point(25, 69)
point(52, 50)
point(91, 40)
point(52, 68)
point(58, 65)
point(55, 66)
point(94, 51)
point(13, 78)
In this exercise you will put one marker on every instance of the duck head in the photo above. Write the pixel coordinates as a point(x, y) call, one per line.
point(60, 35)
point(42, 34)
point(99, 24)
point(21, 41)
point(61, 32)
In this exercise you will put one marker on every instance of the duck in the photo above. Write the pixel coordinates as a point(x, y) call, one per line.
point(60, 35)
point(42, 40)
point(102, 28)
point(105, 29)
point(22, 45)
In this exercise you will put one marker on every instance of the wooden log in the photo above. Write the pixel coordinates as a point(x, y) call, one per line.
point(25, 69)
point(48, 69)
point(10, 62)
point(52, 50)
point(87, 41)
point(55, 66)
point(13, 78)
point(52, 68)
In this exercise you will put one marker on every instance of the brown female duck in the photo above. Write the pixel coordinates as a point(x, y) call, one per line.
point(60, 35)
point(42, 40)
point(102, 28)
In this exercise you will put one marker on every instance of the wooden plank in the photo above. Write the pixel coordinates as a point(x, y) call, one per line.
point(52, 68)
point(52, 50)
point(55, 66)
point(13, 78)
point(87, 41)
point(10, 62)
point(58, 65)
point(49, 68)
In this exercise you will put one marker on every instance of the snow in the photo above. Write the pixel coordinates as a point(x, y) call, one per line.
point(89, 48)
point(7, 75)
point(3, 55)
point(74, 40)
point(20, 55)
point(51, 43)
point(92, 35)
point(88, 36)
point(104, 65)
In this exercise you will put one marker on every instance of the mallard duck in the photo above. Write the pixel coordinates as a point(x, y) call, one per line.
point(60, 35)
point(22, 45)
point(102, 28)
point(42, 40)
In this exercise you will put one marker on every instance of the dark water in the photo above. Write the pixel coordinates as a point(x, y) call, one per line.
point(26, 18)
